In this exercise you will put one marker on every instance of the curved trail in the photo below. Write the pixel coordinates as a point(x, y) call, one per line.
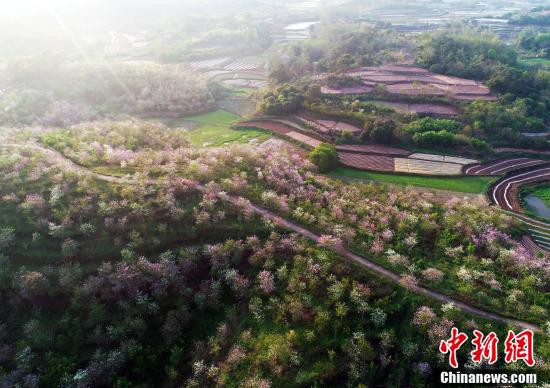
point(362, 261)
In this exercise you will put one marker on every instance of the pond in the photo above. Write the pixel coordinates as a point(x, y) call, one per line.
point(537, 206)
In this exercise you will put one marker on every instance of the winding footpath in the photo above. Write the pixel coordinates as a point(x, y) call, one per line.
point(362, 261)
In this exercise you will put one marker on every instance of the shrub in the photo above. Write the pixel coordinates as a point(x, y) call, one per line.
point(324, 156)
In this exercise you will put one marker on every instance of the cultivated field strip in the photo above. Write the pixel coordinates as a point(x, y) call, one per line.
point(425, 167)
point(539, 232)
point(502, 194)
point(443, 158)
point(246, 83)
point(323, 126)
point(236, 66)
point(367, 162)
point(328, 126)
point(533, 247)
point(280, 128)
point(503, 166)
point(304, 139)
point(341, 127)
point(372, 149)
point(348, 90)
point(283, 127)
point(422, 109)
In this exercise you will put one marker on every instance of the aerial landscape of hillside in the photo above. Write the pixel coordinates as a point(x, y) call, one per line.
point(260, 193)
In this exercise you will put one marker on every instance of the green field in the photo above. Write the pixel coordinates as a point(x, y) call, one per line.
point(215, 130)
point(464, 184)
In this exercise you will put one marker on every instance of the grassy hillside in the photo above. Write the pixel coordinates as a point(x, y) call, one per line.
point(467, 184)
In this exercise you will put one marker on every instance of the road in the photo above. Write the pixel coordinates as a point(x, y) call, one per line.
point(282, 222)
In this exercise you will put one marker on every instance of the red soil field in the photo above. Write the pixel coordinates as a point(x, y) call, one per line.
point(372, 149)
point(268, 125)
point(410, 80)
point(412, 89)
point(350, 90)
point(340, 127)
point(367, 162)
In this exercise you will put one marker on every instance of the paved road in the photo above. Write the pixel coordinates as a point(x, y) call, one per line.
point(362, 261)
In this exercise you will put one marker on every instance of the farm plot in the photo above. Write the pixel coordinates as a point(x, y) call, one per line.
point(234, 66)
point(421, 109)
point(282, 129)
point(323, 126)
point(412, 89)
point(214, 129)
point(367, 162)
point(443, 158)
point(372, 149)
point(504, 193)
point(426, 167)
point(276, 127)
point(209, 63)
point(304, 139)
point(341, 127)
point(361, 89)
point(476, 90)
point(328, 126)
point(410, 80)
point(503, 166)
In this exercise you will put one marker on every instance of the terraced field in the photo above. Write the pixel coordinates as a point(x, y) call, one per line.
point(503, 166)
point(348, 90)
point(505, 192)
point(421, 109)
point(284, 129)
point(411, 81)
point(426, 167)
point(372, 149)
point(303, 139)
point(328, 126)
point(443, 158)
point(367, 162)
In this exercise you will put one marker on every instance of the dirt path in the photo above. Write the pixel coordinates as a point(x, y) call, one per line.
point(362, 261)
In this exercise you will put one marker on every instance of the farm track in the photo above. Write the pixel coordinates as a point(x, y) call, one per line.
point(282, 222)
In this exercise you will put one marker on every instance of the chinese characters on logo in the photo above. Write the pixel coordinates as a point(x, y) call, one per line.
point(517, 347)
